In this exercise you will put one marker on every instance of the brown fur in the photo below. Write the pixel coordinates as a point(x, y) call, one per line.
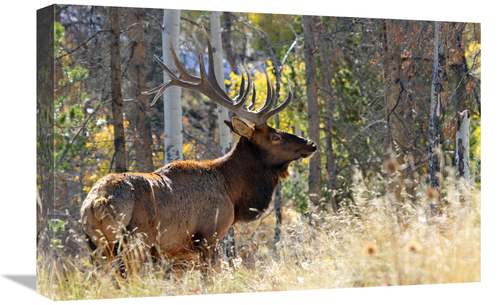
point(188, 206)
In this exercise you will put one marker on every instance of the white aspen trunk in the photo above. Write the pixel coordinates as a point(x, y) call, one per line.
point(225, 144)
point(462, 145)
point(463, 159)
point(172, 96)
point(435, 168)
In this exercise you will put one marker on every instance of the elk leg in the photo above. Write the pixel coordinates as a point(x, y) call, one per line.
point(209, 254)
point(99, 254)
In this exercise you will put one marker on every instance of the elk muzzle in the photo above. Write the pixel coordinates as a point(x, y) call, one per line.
point(309, 149)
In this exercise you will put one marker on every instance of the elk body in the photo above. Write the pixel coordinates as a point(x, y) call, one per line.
point(186, 207)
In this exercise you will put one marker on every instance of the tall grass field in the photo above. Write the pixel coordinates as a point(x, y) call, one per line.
point(373, 241)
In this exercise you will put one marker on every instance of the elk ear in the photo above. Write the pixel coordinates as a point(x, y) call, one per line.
point(239, 127)
point(230, 125)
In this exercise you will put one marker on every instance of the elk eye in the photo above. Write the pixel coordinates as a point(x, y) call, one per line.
point(276, 138)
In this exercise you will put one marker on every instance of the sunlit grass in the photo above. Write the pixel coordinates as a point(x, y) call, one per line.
point(364, 246)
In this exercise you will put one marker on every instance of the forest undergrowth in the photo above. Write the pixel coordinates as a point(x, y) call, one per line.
point(372, 241)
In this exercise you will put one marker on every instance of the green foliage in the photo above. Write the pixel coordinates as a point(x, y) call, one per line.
point(294, 190)
point(68, 109)
point(352, 107)
point(56, 226)
point(56, 242)
point(69, 119)
point(73, 75)
point(277, 26)
point(58, 38)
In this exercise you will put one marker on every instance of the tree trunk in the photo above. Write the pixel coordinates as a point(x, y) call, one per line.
point(225, 144)
point(394, 105)
point(172, 96)
point(326, 83)
point(462, 158)
point(277, 196)
point(116, 92)
point(438, 99)
point(226, 41)
point(312, 111)
point(222, 112)
point(458, 65)
point(277, 193)
point(462, 145)
point(137, 72)
point(392, 82)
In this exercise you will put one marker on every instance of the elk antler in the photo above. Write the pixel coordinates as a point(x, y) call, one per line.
point(208, 86)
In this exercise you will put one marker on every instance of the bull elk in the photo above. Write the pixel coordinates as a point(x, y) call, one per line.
point(182, 210)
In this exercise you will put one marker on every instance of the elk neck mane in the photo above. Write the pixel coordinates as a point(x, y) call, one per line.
point(249, 182)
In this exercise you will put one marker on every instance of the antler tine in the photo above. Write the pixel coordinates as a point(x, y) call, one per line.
point(160, 89)
point(270, 97)
point(182, 73)
point(244, 94)
point(252, 104)
point(201, 61)
point(151, 91)
point(254, 96)
point(240, 100)
point(183, 76)
point(212, 80)
point(283, 105)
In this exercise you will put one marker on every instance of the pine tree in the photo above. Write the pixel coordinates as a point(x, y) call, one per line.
point(116, 92)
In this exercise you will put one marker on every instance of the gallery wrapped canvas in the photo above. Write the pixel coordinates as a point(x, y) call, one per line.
point(185, 152)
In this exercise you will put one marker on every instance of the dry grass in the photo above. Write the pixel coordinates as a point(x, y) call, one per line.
point(377, 243)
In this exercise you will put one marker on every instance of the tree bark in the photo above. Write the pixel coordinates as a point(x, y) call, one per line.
point(45, 107)
point(222, 112)
point(120, 161)
point(392, 83)
point(326, 83)
point(172, 96)
point(463, 157)
point(438, 99)
point(137, 72)
point(226, 41)
point(394, 105)
point(225, 144)
point(312, 110)
point(458, 65)
point(462, 145)
point(277, 194)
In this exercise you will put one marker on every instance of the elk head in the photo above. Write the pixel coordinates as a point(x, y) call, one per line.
point(275, 147)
